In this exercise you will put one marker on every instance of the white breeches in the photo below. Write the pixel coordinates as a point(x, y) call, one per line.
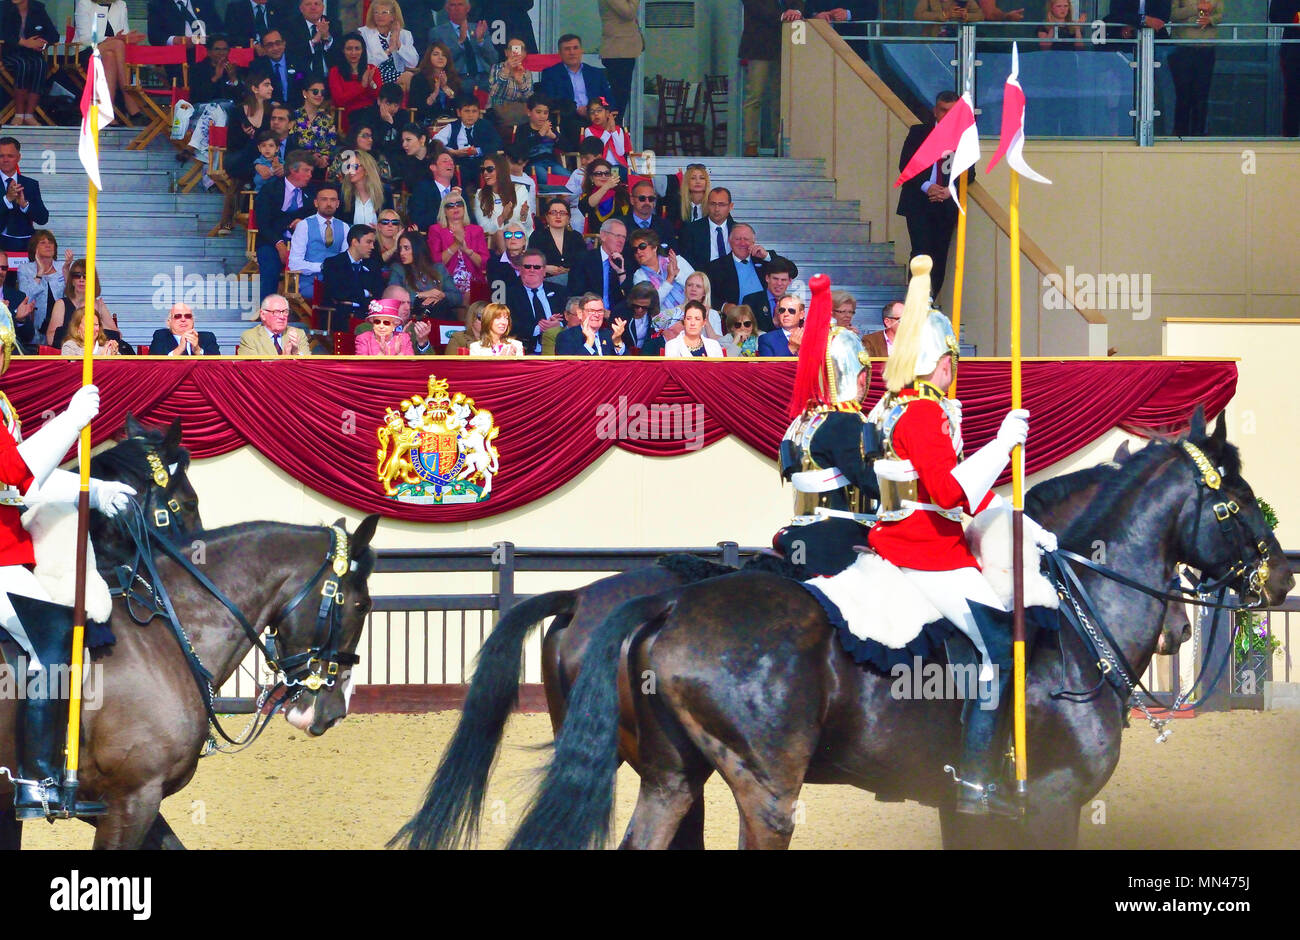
point(17, 579)
point(949, 591)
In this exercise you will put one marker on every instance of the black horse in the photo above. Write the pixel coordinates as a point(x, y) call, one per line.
point(449, 814)
point(752, 684)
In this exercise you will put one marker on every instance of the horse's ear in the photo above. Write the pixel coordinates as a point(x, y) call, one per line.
point(172, 439)
point(364, 533)
point(1122, 452)
point(1196, 431)
point(133, 427)
point(1220, 435)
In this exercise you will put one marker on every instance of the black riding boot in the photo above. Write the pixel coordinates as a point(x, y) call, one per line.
point(38, 793)
point(979, 791)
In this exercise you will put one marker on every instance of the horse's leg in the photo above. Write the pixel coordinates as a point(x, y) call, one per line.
point(161, 836)
point(129, 819)
point(690, 831)
point(661, 805)
point(11, 830)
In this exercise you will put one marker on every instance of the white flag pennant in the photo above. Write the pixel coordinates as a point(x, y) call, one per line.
point(96, 106)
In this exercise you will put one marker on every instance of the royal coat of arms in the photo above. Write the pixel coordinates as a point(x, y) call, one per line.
point(437, 449)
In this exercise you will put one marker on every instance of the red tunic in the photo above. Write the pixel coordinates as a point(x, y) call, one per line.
point(925, 540)
point(15, 543)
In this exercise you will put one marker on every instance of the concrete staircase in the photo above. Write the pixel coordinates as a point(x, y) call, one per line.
point(150, 241)
point(792, 206)
point(153, 245)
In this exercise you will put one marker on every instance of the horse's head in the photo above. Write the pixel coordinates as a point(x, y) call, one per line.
point(1221, 527)
point(316, 635)
point(153, 461)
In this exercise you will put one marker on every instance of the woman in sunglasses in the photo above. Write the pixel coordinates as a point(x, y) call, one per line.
point(388, 229)
point(460, 246)
point(313, 127)
point(432, 291)
point(557, 240)
point(383, 339)
point(74, 299)
point(500, 201)
point(604, 195)
point(742, 332)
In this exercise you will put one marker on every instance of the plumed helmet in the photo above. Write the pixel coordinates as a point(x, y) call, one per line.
point(830, 357)
point(924, 335)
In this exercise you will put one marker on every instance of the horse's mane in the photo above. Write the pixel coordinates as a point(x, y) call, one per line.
point(1042, 496)
point(1103, 509)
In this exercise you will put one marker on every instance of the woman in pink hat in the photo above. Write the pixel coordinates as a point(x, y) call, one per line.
point(382, 340)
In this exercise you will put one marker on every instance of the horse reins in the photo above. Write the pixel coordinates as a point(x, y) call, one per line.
point(1113, 666)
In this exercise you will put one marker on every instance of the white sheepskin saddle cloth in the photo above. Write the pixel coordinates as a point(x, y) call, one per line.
point(883, 618)
point(53, 528)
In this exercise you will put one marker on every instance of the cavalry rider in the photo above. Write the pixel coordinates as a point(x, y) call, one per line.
point(827, 450)
point(925, 485)
point(28, 475)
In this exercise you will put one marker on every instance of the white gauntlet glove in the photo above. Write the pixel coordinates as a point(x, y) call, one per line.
point(1014, 430)
point(109, 496)
point(45, 449)
point(978, 472)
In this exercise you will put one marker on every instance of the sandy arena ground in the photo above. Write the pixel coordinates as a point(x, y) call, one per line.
point(1222, 781)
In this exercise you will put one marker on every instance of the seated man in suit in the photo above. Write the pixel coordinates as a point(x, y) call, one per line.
point(591, 337)
point(739, 273)
point(571, 85)
point(274, 336)
point(604, 272)
point(426, 197)
point(21, 209)
point(352, 278)
point(286, 79)
point(880, 344)
point(535, 303)
point(311, 47)
point(785, 339)
point(179, 338)
point(472, 52)
point(247, 21)
point(641, 216)
point(706, 239)
point(639, 311)
point(777, 275)
point(281, 205)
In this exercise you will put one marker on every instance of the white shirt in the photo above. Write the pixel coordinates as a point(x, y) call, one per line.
point(714, 228)
point(404, 58)
point(194, 27)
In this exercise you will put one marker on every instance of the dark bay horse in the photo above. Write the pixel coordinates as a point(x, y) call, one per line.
point(752, 684)
point(452, 805)
point(143, 742)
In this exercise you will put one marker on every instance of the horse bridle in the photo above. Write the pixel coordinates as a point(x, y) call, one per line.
point(163, 517)
point(318, 665)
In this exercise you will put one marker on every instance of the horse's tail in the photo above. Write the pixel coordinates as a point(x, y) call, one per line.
point(453, 803)
point(572, 808)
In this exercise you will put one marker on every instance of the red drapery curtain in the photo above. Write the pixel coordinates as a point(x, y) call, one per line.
point(317, 419)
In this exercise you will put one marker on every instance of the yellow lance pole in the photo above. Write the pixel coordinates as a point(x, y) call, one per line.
point(1018, 507)
point(959, 270)
point(89, 333)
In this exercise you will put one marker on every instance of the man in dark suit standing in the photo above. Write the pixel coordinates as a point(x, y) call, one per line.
point(310, 45)
point(179, 338)
point(518, 24)
point(285, 77)
point(352, 278)
point(591, 337)
point(706, 239)
point(777, 275)
point(280, 206)
point(535, 303)
point(740, 272)
point(925, 201)
point(604, 272)
point(785, 339)
point(21, 209)
point(247, 21)
point(571, 85)
point(641, 215)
